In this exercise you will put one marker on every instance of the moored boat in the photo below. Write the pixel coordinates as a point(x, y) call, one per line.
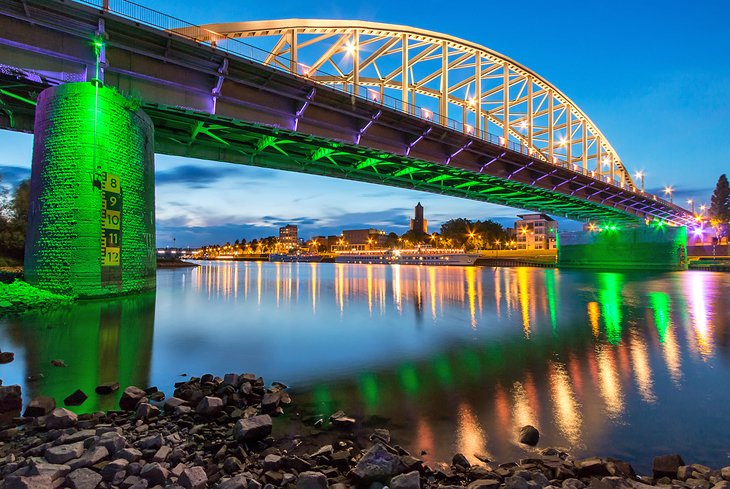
point(417, 256)
point(295, 257)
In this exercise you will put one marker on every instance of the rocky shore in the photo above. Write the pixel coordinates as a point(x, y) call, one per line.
point(18, 297)
point(221, 433)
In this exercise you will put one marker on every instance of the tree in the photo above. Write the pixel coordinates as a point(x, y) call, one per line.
point(720, 206)
point(14, 220)
point(391, 241)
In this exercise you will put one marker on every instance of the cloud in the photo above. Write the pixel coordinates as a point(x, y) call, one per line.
point(13, 175)
point(193, 176)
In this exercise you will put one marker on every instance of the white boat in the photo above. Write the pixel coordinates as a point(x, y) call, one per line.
point(295, 257)
point(418, 256)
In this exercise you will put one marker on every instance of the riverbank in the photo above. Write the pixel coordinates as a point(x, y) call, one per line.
point(175, 264)
point(236, 433)
point(19, 297)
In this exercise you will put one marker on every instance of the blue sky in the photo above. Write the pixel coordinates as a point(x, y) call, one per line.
point(654, 76)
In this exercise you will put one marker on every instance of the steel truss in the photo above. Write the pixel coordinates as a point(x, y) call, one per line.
point(435, 76)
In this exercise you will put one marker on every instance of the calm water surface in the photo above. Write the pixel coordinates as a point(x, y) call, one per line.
point(454, 359)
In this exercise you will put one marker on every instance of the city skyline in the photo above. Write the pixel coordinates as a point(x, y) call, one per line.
point(630, 91)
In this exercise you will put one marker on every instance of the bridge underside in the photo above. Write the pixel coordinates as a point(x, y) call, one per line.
point(208, 104)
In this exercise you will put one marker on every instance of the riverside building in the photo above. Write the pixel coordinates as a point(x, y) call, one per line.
point(536, 232)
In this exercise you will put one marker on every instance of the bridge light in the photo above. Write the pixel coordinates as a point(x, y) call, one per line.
point(350, 48)
point(472, 101)
point(468, 129)
point(427, 114)
point(373, 95)
point(502, 141)
point(303, 69)
point(606, 161)
point(523, 125)
point(563, 141)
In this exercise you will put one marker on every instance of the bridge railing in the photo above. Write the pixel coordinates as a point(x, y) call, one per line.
point(153, 18)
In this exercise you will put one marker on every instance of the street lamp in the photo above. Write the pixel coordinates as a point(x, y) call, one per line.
point(692, 203)
point(640, 174)
point(668, 191)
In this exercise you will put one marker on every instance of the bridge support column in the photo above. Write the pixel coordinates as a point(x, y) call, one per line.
point(91, 229)
point(615, 248)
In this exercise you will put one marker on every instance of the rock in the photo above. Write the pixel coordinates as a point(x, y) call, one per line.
point(515, 483)
point(231, 465)
point(253, 428)
point(725, 473)
point(154, 472)
point(63, 453)
point(193, 478)
point(312, 480)
point(573, 484)
point(529, 435)
point(129, 454)
point(107, 388)
point(272, 462)
point(110, 470)
point(270, 401)
point(58, 363)
point(344, 422)
point(146, 411)
point(83, 479)
point(153, 441)
point(91, 457)
point(6, 357)
point(484, 484)
point(54, 471)
point(237, 482)
point(210, 406)
point(130, 397)
point(162, 454)
point(378, 464)
point(76, 399)
point(61, 418)
point(666, 465)
point(591, 467)
point(411, 480)
point(39, 406)
point(112, 441)
point(32, 482)
point(460, 460)
point(10, 402)
point(173, 402)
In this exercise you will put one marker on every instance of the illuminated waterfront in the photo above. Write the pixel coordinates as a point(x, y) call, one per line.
point(453, 359)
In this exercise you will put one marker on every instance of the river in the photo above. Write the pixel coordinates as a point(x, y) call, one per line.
point(452, 359)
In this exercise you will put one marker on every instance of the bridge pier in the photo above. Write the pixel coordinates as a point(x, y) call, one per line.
point(616, 248)
point(91, 229)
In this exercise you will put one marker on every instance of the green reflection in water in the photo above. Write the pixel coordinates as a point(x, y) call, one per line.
point(609, 297)
point(660, 304)
point(100, 341)
point(409, 379)
point(442, 369)
point(369, 390)
point(322, 398)
point(552, 298)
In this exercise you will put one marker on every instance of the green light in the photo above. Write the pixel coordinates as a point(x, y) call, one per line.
point(442, 369)
point(409, 379)
point(609, 297)
point(552, 298)
point(369, 390)
point(660, 304)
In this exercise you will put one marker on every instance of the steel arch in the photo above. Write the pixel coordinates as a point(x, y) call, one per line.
point(442, 77)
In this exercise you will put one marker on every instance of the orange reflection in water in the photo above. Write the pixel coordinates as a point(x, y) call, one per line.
point(470, 437)
point(642, 367)
point(609, 382)
point(566, 409)
point(471, 294)
point(522, 412)
point(424, 435)
point(594, 315)
point(524, 295)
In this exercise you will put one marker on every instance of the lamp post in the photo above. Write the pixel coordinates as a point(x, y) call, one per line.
point(692, 203)
point(668, 191)
point(640, 175)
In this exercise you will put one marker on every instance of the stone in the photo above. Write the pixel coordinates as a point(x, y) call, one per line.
point(253, 428)
point(666, 465)
point(83, 479)
point(210, 406)
point(6, 357)
point(529, 435)
point(684, 472)
point(54, 471)
point(237, 482)
point(129, 454)
point(460, 460)
point(697, 483)
point(162, 454)
point(515, 482)
point(230, 379)
point(61, 418)
point(31, 482)
point(172, 402)
point(63, 453)
point(75, 399)
point(193, 478)
point(378, 464)
point(153, 441)
point(312, 480)
point(484, 484)
point(231, 465)
point(411, 480)
point(591, 467)
point(272, 462)
point(130, 397)
point(270, 402)
point(113, 442)
point(725, 473)
point(40, 406)
point(107, 388)
point(58, 363)
point(573, 483)
point(91, 457)
point(147, 411)
point(155, 473)
point(10, 402)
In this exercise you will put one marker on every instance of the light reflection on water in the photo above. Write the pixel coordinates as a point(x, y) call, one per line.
point(457, 359)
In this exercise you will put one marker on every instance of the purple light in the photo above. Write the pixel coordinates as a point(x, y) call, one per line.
point(698, 231)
